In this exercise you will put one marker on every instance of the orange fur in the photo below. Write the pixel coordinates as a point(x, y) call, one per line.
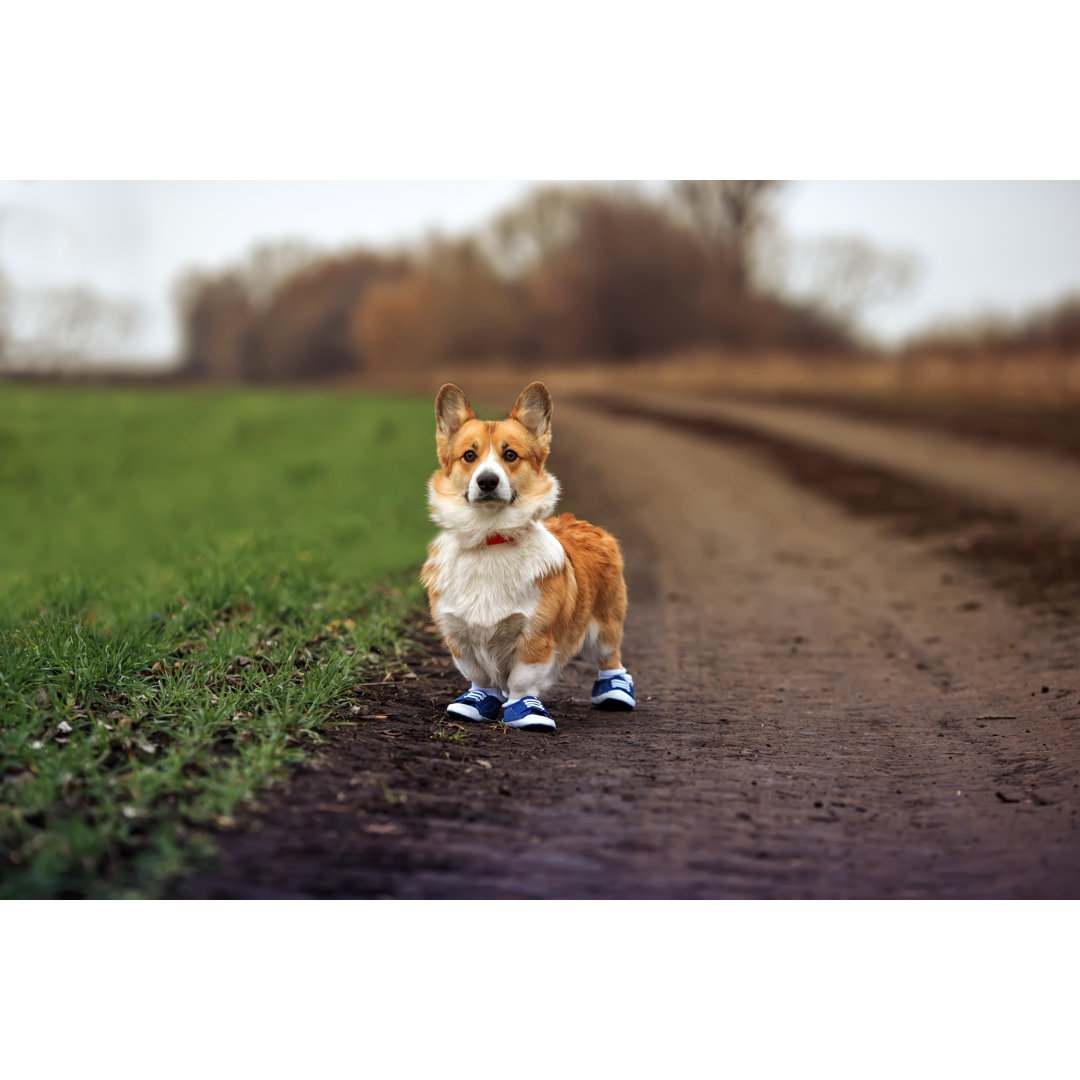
point(590, 587)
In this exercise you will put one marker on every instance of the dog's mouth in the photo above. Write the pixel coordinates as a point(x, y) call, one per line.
point(491, 496)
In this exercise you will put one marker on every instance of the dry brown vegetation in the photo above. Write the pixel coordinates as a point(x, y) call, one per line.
point(1051, 330)
point(1035, 378)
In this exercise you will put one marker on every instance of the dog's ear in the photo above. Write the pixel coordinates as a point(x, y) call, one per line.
point(452, 409)
point(533, 410)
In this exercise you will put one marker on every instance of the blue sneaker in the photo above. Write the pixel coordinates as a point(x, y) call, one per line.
point(476, 705)
point(527, 714)
point(614, 693)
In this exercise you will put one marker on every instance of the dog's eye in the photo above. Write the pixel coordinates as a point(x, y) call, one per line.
point(469, 456)
point(509, 455)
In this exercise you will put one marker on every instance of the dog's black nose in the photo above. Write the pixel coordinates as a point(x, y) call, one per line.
point(487, 482)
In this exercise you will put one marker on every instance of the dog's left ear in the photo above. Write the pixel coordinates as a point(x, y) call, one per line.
point(533, 410)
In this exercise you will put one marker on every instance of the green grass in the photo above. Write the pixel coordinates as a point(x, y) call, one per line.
point(189, 581)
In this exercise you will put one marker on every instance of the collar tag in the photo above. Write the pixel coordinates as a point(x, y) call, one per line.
point(498, 538)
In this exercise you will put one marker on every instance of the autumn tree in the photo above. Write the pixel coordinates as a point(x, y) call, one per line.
point(216, 315)
point(544, 222)
point(624, 281)
point(269, 265)
point(305, 330)
point(728, 217)
point(69, 325)
point(451, 305)
point(846, 275)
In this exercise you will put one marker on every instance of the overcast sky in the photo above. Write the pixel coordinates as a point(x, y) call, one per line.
point(978, 245)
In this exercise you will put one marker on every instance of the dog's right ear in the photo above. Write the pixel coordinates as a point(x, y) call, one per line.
point(452, 409)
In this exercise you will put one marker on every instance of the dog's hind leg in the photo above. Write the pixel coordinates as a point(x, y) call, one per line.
point(614, 685)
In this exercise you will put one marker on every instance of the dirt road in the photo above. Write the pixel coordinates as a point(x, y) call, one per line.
point(857, 679)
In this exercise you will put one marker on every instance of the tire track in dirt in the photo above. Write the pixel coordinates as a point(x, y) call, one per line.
point(830, 707)
point(1040, 484)
point(1034, 560)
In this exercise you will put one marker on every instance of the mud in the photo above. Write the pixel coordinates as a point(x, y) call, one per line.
point(853, 684)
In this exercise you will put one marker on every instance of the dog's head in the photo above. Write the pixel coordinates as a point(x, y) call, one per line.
point(492, 477)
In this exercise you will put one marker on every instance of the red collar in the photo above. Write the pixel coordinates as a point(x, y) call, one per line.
point(498, 538)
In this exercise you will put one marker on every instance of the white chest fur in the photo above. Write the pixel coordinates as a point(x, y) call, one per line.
point(482, 586)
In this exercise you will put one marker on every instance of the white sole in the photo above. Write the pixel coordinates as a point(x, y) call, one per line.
point(614, 699)
point(532, 723)
point(468, 712)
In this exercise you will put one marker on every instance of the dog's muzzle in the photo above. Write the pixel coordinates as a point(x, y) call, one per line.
point(488, 484)
point(488, 487)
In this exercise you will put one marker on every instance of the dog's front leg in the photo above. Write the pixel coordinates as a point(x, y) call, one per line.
point(478, 674)
point(534, 671)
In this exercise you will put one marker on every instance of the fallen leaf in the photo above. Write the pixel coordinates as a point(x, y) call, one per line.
point(483, 762)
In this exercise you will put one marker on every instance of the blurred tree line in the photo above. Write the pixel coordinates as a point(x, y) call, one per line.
point(570, 272)
point(606, 273)
point(60, 327)
point(1051, 328)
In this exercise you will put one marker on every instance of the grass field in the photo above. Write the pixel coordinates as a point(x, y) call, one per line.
point(188, 581)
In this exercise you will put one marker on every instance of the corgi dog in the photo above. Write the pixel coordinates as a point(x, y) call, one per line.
point(515, 593)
